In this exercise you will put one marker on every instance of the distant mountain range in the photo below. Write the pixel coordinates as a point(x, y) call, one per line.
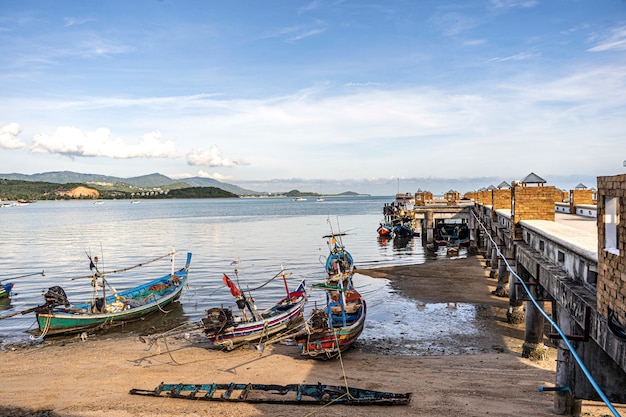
point(151, 180)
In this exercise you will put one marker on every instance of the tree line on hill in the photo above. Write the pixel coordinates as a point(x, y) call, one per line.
point(13, 190)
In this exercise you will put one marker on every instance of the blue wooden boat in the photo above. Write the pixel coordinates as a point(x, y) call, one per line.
point(277, 394)
point(5, 290)
point(229, 330)
point(335, 327)
point(59, 317)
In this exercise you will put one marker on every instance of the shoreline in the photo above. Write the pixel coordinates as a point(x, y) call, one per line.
point(92, 378)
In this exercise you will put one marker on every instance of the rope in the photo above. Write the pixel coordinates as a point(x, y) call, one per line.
point(345, 379)
point(552, 323)
point(44, 332)
point(117, 271)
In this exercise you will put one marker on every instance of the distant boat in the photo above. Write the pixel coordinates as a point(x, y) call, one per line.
point(320, 198)
point(299, 199)
point(385, 230)
point(135, 202)
point(98, 202)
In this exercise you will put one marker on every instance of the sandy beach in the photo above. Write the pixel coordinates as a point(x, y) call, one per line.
point(92, 378)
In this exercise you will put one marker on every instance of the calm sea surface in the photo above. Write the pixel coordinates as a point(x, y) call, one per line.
point(263, 233)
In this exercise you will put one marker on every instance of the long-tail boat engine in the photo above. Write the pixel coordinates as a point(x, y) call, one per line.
point(217, 319)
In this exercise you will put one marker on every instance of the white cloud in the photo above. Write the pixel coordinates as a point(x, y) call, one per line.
point(616, 41)
point(71, 141)
point(9, 136)
point(216, 176)
point(211, 158)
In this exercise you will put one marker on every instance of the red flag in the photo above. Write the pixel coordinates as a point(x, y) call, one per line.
point(233, 288)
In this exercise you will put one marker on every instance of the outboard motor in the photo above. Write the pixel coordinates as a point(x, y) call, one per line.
point(55, 296)
point(319, 319)
point(217, 319)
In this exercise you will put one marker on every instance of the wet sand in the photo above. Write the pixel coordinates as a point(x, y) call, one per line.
point(92, 378)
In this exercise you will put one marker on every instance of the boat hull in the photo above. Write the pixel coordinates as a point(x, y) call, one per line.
point(329, 343)
point(78, 318)
point(241, 333)
point(277, 394)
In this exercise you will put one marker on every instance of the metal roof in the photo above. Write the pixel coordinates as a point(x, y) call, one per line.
point(533, 178)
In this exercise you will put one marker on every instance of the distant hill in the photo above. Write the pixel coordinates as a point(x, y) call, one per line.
point(151, 180)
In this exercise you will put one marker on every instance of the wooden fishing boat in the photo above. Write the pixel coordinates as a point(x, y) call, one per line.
point(455, 235)
point(335, 327)
point(277, 394)
point(5, 290)
point(228, 330)
point(59, 317)
point(385, 230)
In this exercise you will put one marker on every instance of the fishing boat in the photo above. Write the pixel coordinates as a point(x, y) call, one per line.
point(385, 230)
point(335, 327)
point(58, 316)
point(5, 290)
point(452, 235)
point(277, 394)
point(229, 330)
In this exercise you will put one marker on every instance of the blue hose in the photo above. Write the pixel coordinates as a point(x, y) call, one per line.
point(558, 329)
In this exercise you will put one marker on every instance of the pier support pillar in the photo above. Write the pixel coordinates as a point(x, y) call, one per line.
point(563, 401)
point(502, 289)
point(474, 237)
point(533, 347)
point(429, 224)
point(515, 313)
point(494, 261)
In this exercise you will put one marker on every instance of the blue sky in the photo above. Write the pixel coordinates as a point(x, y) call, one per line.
point(316, 95)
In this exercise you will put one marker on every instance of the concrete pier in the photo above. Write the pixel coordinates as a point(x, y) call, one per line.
point(573, 265)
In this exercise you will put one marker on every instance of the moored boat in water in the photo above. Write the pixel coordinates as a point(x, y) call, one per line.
point(58, 316)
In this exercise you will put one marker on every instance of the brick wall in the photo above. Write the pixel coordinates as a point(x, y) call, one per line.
point(611, 284)
point(452, 197)
point(422, 197)
point(501, 199)
point(532, 203)
point(580, 197)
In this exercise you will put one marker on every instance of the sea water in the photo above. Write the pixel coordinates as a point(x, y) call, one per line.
point(256, 237)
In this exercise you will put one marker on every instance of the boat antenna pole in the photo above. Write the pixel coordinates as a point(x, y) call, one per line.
point(104, 289)
point(282, 271)
point(93, 265)
point(42, 273)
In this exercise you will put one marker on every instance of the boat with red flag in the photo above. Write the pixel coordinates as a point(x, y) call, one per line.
point(229, 329)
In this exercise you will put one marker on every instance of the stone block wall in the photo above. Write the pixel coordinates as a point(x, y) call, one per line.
point(531, 203)
point(611, 284)
point(581, 197)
